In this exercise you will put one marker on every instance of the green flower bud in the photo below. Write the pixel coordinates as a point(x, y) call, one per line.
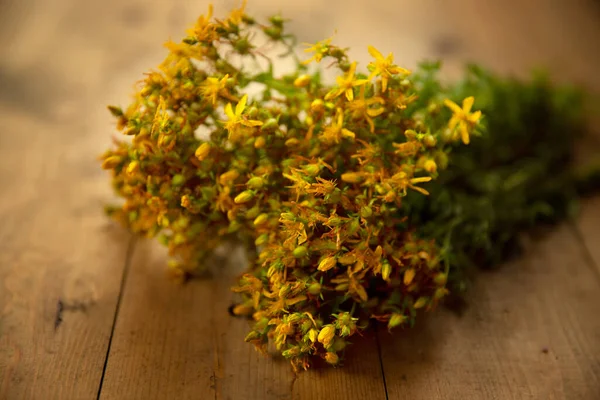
point(396, 320)
point(326, 335)
point(327, 263)
point(276, 20)
point(331, 358)
point(244, 197)
point(314, 289)
point(366, 211)
point(178, 180)
point(274, 32)
point(255, 182)
point(262, 239)
point(339, 344)
point(261, 219)
point(260, 142)
point(302, 80)
point(270, 125)
point(300, 251)
point(429, 140)
point(440, 279)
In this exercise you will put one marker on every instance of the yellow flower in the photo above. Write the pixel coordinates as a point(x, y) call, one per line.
point(320, 49)
point(182, 50)
point(384, 67)
point(335, 132)
point(402, 181)
point(212, 87)
point(346, 84)
point(236, 15)
point(236, 120)
point(161, 117)
point(463, 117)
point(360, 108)
point(204, 31)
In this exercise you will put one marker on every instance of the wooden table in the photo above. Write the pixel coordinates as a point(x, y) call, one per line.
point(86, 312)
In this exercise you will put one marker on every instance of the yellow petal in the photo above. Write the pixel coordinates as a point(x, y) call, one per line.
point(464, 133)
point(468, 103)
point(421, 179)
point(399, 70)
point(359, 82)
point(352, 69)
point(420, 190)
point(361, 292)
point(384, 82)
point(453, 106)
point(375, 53)
point(251, 122)
point(340, 118)
point(374, 100)
point(453, 121)
point(348, 134)
point(241, 105)
point(409, 275)
point(475, 116)
point(373, 112)
point(229, 111)
point(349, 94)
point(371, 124)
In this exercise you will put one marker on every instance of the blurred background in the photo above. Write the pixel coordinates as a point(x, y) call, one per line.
point(63, 61)
point(61, 57)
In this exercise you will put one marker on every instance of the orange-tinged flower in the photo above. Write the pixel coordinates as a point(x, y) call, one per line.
point(335, 132)
point(384, 67)
point(346, 84)
point(320, 49)
point(360, 108)
point(236, 15)
point(463, 117)
point(204, 30)
point(237, 120)
point(212, 88)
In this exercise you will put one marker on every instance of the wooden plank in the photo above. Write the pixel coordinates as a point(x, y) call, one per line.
point(588, 229)
point(58, 283)
point(531, 331)
point(179, 341)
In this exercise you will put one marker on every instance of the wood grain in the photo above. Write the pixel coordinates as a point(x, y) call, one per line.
point(58, 283)
point(587, 229)
point(61, 261)
point(179, 341)
point(531, 332)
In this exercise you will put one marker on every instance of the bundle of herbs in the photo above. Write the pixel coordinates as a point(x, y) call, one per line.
point(521, 174)
point(357, 201)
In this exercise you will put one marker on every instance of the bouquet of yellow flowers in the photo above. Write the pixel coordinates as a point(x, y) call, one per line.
point(326, 185)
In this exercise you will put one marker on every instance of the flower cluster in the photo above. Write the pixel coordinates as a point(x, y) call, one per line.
point(314, 179)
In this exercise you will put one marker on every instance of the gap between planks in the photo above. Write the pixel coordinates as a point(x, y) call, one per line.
point(128, 256)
